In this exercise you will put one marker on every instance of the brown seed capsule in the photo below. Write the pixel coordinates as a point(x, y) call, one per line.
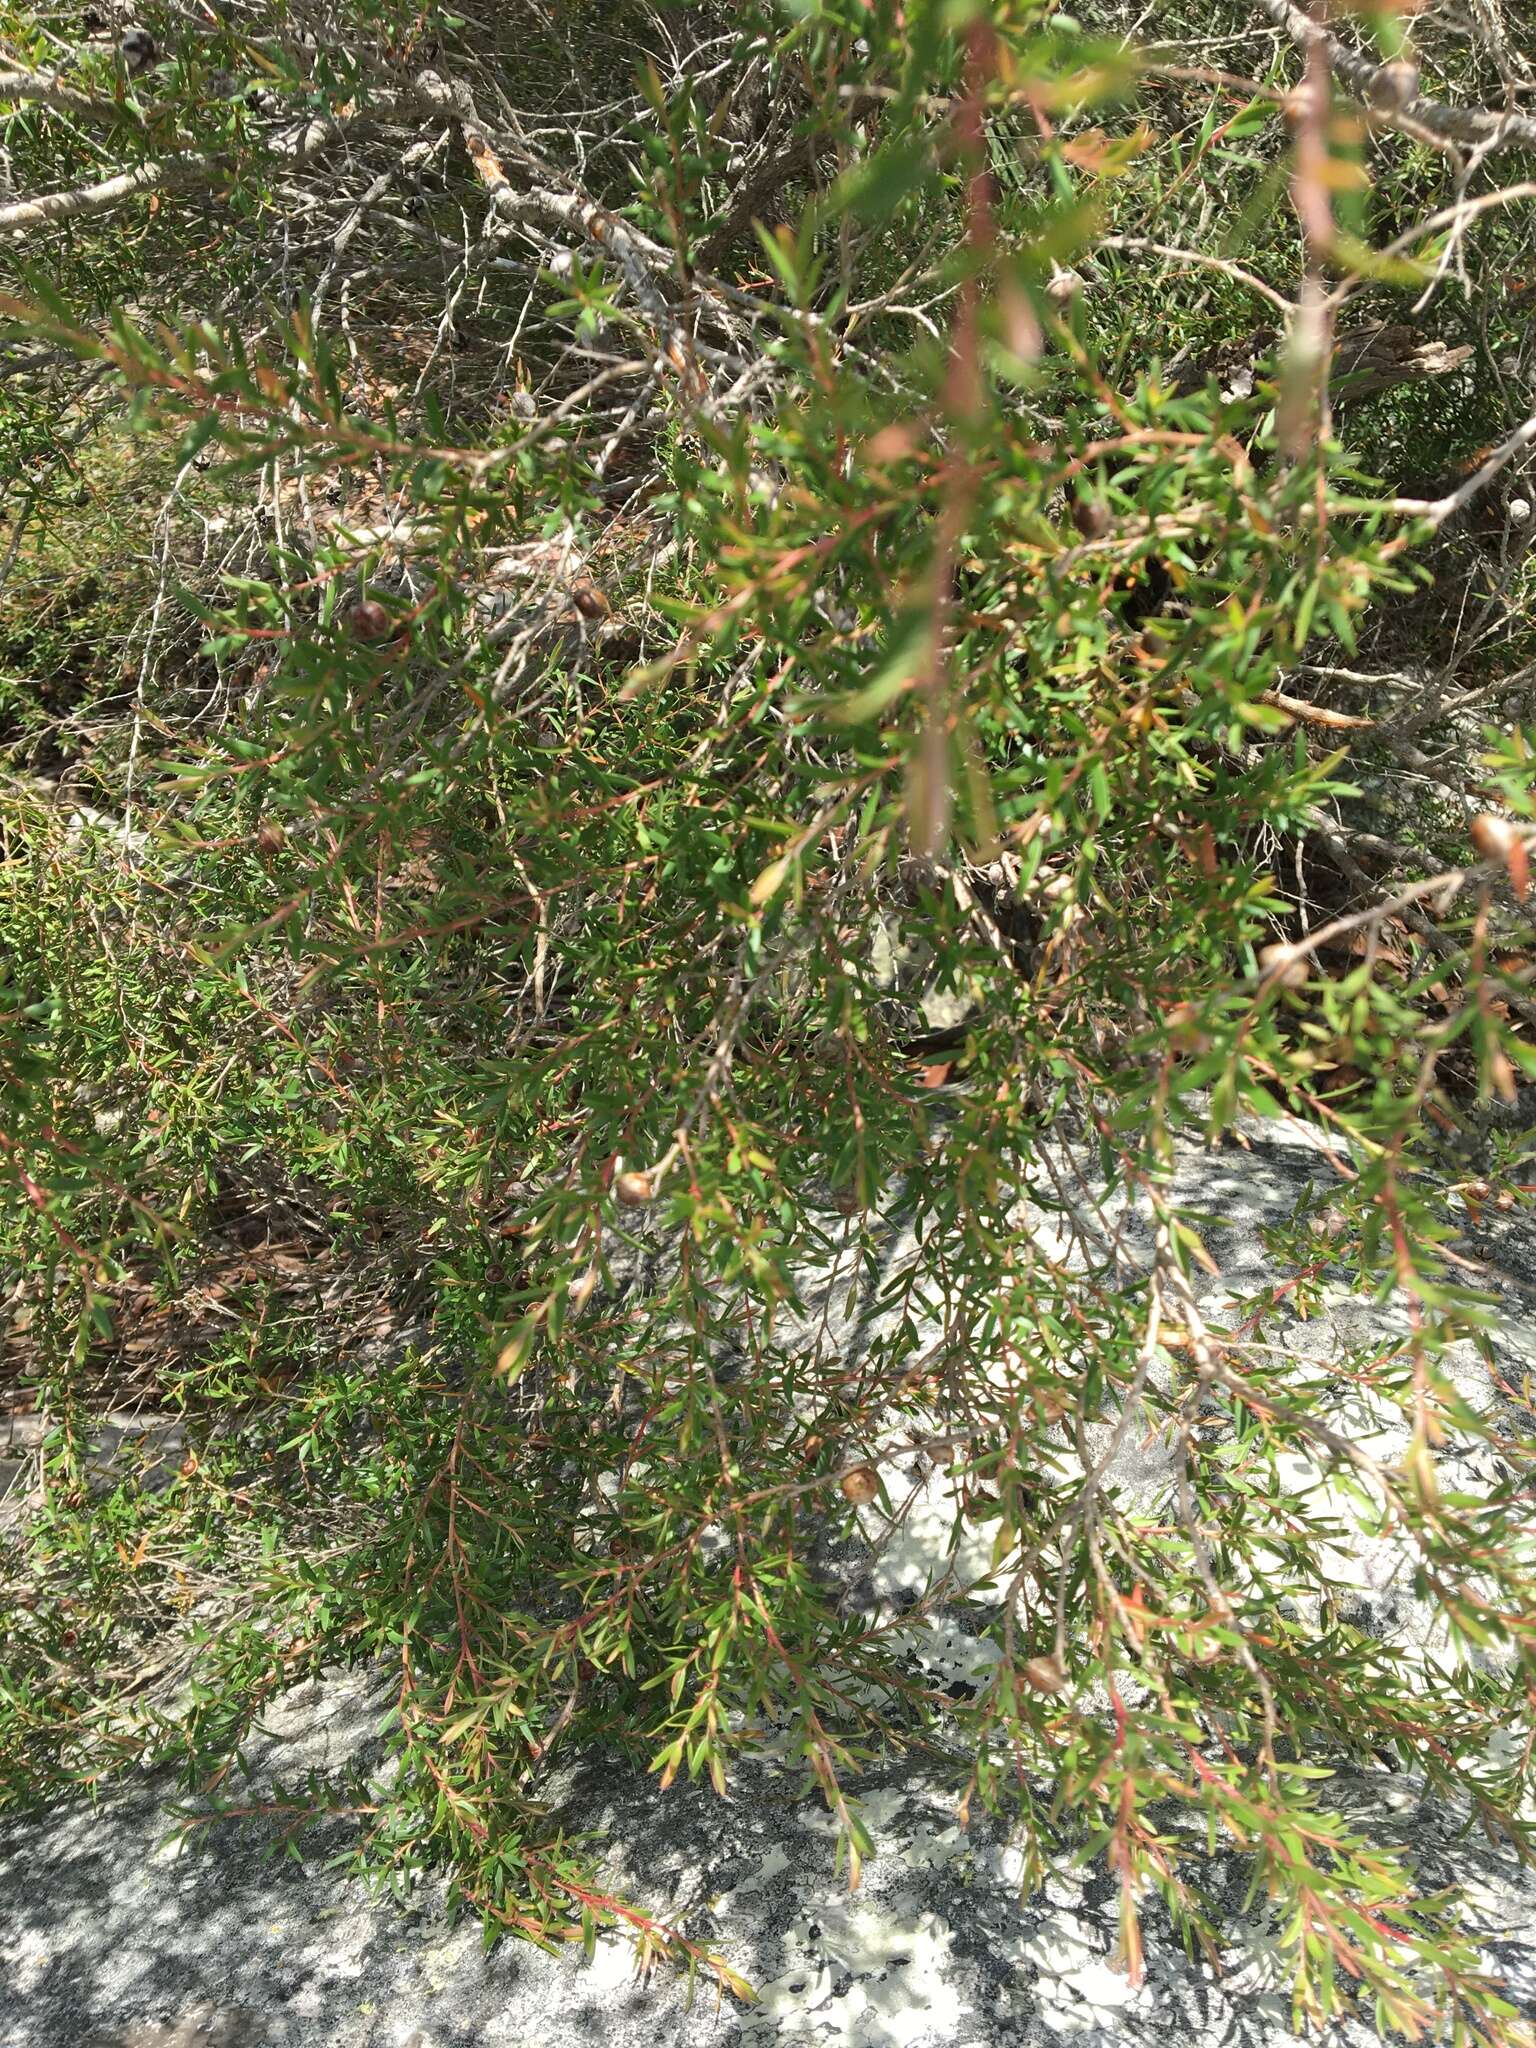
point(634, 1190)
point(1492, 835)
point(1044, 1674)
point(270, 836)
point(1185, 1032)
point(1091, 517)
point(1397, 83)
point(860, 1483)
point(368, 620)
point(1286, 965)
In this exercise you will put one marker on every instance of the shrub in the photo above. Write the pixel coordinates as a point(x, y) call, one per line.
point(727, 737)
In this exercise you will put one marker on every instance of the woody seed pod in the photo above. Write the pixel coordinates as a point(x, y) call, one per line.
point(368, 620)
point(1286, 965)
point(1492, 835)
point(1184, 1028)
point(860, 1483)
point(1044, 1674)
point(1398, 82)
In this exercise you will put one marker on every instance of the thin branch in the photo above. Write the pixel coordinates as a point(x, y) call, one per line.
point(578, 215)
point(47, 92)
point(1438, 510)
point(1202, 260)
point(772, 172)
point(1378, 87)
point(157, 175)
point(1455, 217)
point(1316, 714)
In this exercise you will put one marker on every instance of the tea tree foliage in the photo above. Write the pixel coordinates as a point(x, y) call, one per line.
point(817, 653)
